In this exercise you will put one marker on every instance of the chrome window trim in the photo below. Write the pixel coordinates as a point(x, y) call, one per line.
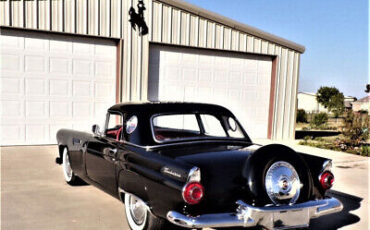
point(165, 114)
point(246, 137)
point(107, 117)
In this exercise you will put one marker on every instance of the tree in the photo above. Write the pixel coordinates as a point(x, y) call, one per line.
point(337, 104)
point(332, 99)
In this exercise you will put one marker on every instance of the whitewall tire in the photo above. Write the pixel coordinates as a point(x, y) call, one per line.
point(69, 176)
point(140, 218)
point(136, 212)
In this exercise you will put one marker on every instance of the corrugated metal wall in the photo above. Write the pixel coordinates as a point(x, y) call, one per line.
point(167, 24)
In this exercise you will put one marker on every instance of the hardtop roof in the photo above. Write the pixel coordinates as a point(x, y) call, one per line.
point(169, 107)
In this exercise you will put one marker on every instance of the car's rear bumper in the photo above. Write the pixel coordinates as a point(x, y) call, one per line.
point(272, 217)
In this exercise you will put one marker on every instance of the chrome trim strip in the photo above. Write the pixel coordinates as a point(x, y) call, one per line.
point(249, 216)
point(328, 164)
point(151, 147)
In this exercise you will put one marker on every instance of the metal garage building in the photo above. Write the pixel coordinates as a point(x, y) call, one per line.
point(63, 62)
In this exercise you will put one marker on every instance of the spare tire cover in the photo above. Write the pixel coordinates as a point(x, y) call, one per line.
point(276, 174)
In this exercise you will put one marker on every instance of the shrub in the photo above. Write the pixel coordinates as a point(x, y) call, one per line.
point(319, 119)
point(365, 151)
point(356, 129)
point(301, 116)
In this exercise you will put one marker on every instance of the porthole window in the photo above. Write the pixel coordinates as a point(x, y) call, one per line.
point(131, 124)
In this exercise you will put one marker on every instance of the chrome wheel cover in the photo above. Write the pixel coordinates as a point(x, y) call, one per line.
point(138, 210)
point(67, 170)
point(282, 183)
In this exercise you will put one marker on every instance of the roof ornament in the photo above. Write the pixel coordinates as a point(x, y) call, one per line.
point(137, 19)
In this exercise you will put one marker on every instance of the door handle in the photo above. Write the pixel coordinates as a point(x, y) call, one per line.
point(112, 152)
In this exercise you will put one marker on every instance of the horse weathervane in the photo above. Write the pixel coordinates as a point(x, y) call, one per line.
point(137, 19)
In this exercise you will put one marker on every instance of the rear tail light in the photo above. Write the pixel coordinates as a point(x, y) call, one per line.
point(326, 180)
point(193, 192)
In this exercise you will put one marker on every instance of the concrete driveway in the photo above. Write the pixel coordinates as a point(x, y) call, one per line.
point(35, 196)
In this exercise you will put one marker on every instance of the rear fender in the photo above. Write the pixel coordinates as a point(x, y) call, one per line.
point(142, 175)
point(316, 165)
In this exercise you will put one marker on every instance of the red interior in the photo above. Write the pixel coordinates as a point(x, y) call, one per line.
point(115, 132)
point(162, 134)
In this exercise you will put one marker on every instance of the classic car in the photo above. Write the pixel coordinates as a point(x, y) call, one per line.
point(192, 165)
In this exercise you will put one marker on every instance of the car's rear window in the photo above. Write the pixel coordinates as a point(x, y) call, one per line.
point(173, 127)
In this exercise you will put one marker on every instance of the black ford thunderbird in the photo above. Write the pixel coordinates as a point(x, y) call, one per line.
point(192, 165)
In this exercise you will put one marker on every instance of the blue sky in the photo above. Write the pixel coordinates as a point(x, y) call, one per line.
point(334, 32)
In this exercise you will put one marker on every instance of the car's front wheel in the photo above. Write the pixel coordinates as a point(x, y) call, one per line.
point(69, 176)
point(139, 216)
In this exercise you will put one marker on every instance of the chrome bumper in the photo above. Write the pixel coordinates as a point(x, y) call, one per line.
point(273, 217)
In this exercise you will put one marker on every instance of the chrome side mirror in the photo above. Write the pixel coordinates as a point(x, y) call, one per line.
point(96, 130)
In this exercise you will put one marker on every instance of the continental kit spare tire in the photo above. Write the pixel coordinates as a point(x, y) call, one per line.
point(276, 174)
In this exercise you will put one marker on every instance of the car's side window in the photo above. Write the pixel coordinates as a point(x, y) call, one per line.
point(175, 126)
point(114, 126)
point(212, 126)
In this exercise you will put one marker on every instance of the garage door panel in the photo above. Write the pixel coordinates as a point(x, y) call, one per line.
point(10, 42)
point(36, 44)
point(37, 109)
point(82, 109)
point(57, 47)
point(36, 86)
point(59, 87)
point(240, 82)
point(60, 65)
point(84, 49)
point(104, 69)
point(50, 82)
point(35, 64)
point(104, 90)
point(11, 109)
point(37, 133)
point(11, 62)
point(82, 67)
point(60, 109)
point(104, 50)
point(204, 75)
point(10, 85)
point(12, 133)
point(82, 89)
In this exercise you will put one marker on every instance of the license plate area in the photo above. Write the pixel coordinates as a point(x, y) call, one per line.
point(291, 219)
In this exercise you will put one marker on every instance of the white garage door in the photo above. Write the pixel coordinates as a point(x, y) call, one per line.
point(49, 82)
point(237, 81)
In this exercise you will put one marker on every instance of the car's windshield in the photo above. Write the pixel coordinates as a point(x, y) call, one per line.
point(174, 127)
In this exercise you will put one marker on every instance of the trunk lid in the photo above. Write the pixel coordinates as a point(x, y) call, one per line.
point(221, 166)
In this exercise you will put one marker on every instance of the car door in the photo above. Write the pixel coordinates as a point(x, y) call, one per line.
point(101, 156)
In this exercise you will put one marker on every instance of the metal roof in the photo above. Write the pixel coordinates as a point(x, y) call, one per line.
point(233, 24)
